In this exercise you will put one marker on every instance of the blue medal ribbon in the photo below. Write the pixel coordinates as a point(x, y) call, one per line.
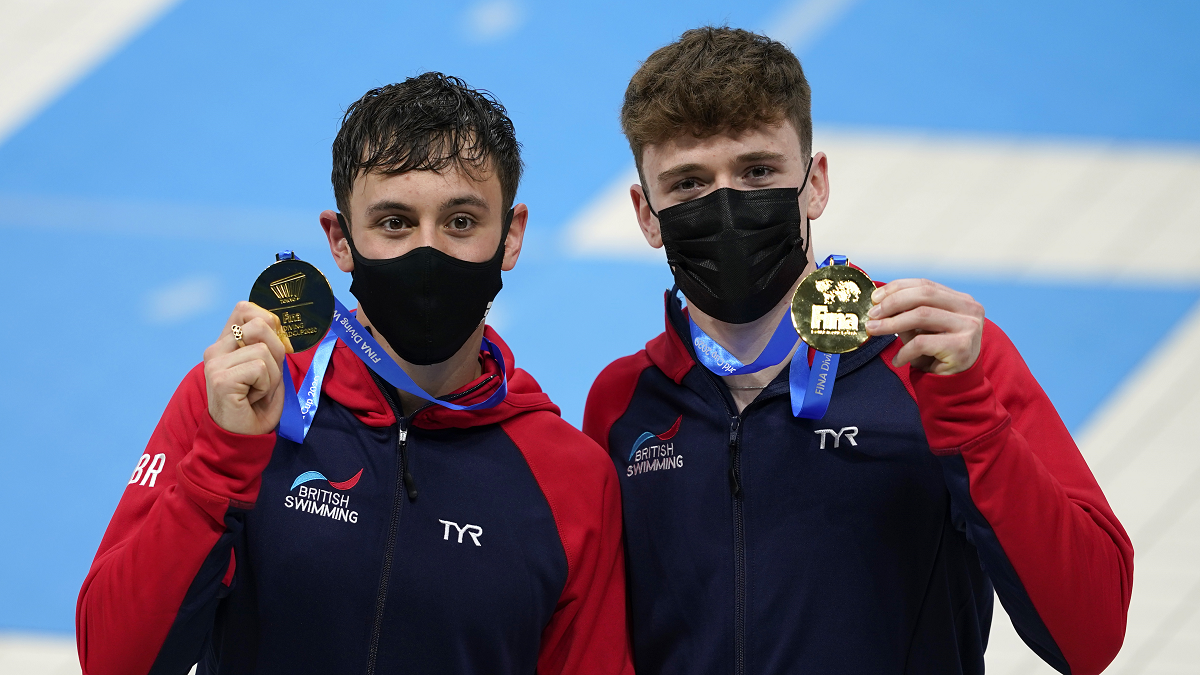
point(718, 359)
point(300, 409)
point(811, 386)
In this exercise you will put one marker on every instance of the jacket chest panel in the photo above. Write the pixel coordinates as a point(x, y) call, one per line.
point(478, 547)
point(838, 522)
point(863, 470)
point(316, 535)
point(480, 510)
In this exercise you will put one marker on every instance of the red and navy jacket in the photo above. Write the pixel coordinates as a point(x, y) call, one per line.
point(468, 542)
point(868, 541)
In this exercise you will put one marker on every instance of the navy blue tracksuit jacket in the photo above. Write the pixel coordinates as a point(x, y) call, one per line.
point(868, 541)
point(482, 541)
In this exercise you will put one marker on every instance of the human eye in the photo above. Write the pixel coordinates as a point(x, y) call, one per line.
point(686, 185)
point(461, 223)
point(392, 224)
point(759, 173)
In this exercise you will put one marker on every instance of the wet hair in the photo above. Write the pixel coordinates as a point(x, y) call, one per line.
point(712, 80)
point(426, 123)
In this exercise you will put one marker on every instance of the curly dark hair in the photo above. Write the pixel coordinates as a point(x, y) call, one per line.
point(715, 79)
point(426, 123)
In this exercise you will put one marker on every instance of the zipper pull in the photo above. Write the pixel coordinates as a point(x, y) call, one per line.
point(735, 483)
point(410, 485)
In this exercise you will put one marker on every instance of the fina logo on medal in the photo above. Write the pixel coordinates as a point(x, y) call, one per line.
point(319, 501)
point(825, 322)
point(657, 457)
point(830, 306)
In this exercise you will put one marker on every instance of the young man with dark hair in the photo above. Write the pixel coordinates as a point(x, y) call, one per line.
point(863, 538)
point(401, 534)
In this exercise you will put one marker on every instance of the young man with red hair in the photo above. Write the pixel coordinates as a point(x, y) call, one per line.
point(765, 534)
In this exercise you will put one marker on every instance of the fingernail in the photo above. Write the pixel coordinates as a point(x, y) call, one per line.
point(877, 295)
point(873, 312)
point(872, 325)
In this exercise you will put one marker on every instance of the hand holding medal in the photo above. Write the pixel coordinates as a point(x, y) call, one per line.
point(941, 328)
point(290, 308)
point(242, 372)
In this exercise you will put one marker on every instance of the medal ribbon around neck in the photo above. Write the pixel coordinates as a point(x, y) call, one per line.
point(811, 386)
point(299, 410)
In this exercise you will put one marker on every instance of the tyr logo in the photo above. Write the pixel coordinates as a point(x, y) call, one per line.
point(474, 530)
point(847, 433)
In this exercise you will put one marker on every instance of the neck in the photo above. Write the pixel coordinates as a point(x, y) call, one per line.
point(436, 379)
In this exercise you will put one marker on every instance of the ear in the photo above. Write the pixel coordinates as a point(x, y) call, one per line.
point(818, 187)
point(338, 246)
point(646, 220)
point(516, 236)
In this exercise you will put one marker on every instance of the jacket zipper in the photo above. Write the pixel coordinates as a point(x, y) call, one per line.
point(739, 548)
point(402, 479)
point(739, 528)
point(405, 485)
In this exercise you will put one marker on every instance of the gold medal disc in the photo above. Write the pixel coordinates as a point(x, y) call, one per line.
point(829, 309)
point(300, 296)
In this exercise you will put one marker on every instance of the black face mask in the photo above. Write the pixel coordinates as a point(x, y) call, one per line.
point(426, 303)
point(736, 253)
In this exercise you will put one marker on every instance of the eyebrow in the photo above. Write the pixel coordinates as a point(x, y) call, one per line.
point(756, 156)
point(760, 156)
point(679, 170)
point(391, 206)
point(380, 207)
point(465, 200)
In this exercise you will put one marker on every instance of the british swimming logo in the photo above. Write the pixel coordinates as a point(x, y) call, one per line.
point(646, 456)
point(320, 501)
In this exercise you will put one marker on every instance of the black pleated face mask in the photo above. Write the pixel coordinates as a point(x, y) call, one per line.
point(426, 303)
point(736, 253)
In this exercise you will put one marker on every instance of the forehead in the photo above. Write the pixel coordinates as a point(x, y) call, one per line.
point(428, 185)
point(721, 148)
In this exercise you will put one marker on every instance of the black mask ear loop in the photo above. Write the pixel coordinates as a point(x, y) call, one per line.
point(804, 214)
point(503, 231)
point(646, 196)
point(346, 232)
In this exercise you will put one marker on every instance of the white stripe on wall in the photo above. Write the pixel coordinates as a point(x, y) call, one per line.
point(1023, 208)
point(48, 45)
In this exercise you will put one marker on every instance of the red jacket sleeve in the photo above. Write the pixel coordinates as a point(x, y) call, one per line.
point(1061, 562)
point(168, 547)
point(587, 633)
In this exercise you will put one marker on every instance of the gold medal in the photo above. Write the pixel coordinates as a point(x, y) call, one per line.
point(829, 309)
point(300, 296)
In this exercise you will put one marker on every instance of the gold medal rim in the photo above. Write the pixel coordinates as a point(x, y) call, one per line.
point(814, 276)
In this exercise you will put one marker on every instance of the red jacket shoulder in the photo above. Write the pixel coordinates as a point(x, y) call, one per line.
point(611, 394)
